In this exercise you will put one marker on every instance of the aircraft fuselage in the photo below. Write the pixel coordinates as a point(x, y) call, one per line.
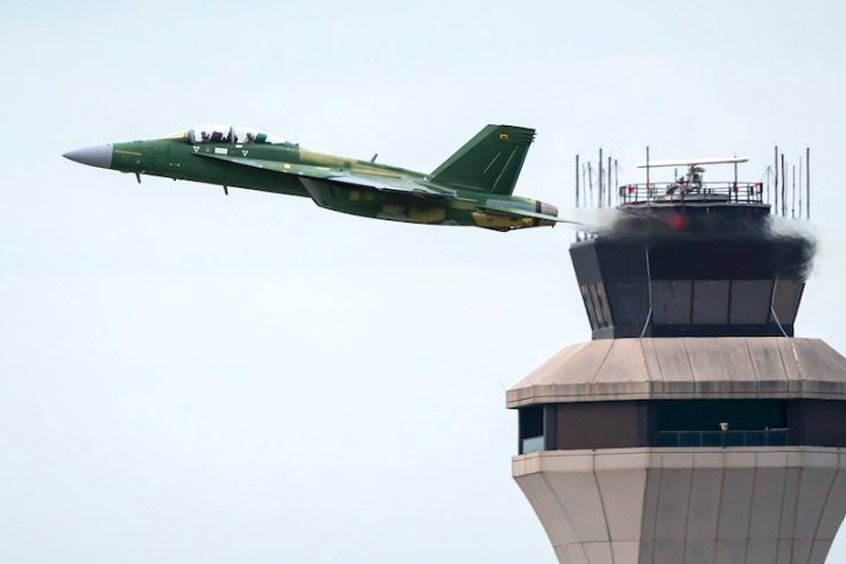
point(347, 185)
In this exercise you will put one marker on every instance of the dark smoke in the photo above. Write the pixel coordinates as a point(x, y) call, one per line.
point(734, 234)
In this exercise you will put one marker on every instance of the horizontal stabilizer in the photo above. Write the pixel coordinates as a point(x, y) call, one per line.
point(514, 211)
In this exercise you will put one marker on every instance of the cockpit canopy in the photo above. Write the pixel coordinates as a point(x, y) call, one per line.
point(231, 134)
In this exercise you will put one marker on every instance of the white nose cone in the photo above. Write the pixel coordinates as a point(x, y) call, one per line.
point(100, 156)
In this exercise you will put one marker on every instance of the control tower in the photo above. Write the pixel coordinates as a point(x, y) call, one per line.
point(694, 428)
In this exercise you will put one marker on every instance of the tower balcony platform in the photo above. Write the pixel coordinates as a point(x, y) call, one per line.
point(702, 450)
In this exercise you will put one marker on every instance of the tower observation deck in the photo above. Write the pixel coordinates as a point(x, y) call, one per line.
point(694, 428)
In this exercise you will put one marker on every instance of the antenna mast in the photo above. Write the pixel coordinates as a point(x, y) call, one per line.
point(617, 180)
point(775, 187)
point(793, 193)
point(590, 181)
point(599, 175)
point(808, 182)
point(799, 214)
point(783, 188)
point(577, 180)
point(769, 174)
point(648, 190)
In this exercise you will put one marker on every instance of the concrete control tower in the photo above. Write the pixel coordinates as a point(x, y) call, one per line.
point(694, 428)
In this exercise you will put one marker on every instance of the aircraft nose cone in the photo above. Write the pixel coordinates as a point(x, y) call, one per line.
point(100, 156)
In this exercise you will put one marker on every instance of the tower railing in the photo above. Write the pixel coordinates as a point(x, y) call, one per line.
point(679, 192)
point(767, 437)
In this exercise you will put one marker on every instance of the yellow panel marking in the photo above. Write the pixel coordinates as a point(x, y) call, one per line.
point(426, 214)
point(393, 209)
point(123, 152)
point(286, 166)
point(503, 137)
point(458, 205)
point(487, 220)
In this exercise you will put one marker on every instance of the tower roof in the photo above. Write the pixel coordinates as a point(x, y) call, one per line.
point(685, 368)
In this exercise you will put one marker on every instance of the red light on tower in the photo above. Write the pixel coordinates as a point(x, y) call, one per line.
point(678, 221)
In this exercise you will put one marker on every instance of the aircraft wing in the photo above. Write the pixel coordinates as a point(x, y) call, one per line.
point(390, 184)
point(276, 166)
point(342, 176)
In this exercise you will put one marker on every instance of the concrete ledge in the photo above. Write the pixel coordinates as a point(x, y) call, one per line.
point(686, 368)
point(687, 457)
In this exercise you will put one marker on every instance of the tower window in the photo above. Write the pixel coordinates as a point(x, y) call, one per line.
point(531, 429)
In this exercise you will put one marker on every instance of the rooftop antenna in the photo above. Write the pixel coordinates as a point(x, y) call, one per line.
point(735, 173)
point(793, 193)
point(578, 235)
point(599, 171)
point(608, 184)
point(691, 162)
point(734, 186)
point(617, 180)
point(783, 188)
point(799, 212)
point(808, 182)
point(769, 174)
point(648, 189)
point(577, 180)
point(775, 187)
point(590, 181)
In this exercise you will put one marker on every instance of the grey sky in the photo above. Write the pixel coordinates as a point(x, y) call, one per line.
point(186, 376)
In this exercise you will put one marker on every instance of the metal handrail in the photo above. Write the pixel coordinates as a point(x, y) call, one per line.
point(664, 192)
point(767, 437)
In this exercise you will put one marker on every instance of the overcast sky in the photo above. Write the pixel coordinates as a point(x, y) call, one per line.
point(190, 377)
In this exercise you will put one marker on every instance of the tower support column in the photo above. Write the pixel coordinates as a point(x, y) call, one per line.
point(693, 505)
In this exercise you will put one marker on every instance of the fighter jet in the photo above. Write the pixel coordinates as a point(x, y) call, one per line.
point(472, 187)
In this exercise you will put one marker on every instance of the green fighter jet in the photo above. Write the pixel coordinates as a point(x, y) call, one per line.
point(472, 187)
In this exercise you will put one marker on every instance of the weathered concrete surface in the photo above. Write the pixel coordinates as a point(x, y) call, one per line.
point(686, 368)
point(751, 505)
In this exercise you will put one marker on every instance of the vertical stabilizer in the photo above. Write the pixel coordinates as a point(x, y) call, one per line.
point(490, 162)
